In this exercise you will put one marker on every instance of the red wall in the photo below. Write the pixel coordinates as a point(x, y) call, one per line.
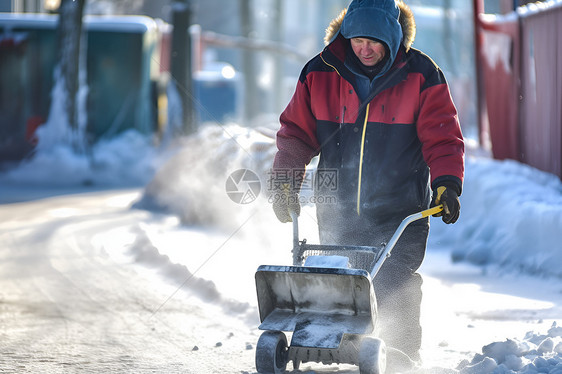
point(541, 90)
point(520, 66)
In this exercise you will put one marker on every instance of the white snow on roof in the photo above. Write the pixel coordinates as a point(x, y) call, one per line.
point(133, 24)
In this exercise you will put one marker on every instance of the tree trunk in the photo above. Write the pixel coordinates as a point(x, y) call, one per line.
point(251, 100)
point(69, 34)
point(181, 66)
point(278, 32)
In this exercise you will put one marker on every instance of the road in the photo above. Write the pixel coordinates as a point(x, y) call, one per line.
point(74, 299)
point(66, 306)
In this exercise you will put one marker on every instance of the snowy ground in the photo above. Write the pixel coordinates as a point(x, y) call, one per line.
point(146, 265)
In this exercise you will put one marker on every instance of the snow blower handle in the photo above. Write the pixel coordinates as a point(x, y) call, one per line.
point(413, 217)
point(405, 222)
point(431, 211)
point(295, 219)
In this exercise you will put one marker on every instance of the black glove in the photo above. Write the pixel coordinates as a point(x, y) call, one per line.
point(285, 200)
point(448, 195)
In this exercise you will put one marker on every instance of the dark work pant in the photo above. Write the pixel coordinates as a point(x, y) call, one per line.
point(397, 285)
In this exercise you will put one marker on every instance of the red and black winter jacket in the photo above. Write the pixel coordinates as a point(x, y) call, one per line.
point(386, 150)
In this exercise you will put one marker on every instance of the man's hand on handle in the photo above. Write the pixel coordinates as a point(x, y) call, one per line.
point(284, 201)
point(447, 194)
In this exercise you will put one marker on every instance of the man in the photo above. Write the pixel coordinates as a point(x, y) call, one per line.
point(381, 116)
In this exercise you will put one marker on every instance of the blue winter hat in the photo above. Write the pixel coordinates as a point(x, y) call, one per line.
point(376, 19)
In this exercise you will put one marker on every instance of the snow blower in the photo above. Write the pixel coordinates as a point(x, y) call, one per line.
point(326, 299)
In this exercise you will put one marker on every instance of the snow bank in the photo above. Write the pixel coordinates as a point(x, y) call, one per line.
point(129, 159)
point(511, 216)
point(146, 253)
point(536, 353)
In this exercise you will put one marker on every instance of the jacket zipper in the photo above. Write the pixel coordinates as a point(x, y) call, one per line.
point(342, 122)
point(361, 159)
point(340, 142)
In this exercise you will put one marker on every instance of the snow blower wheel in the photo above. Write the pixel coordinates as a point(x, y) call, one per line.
point(372, 356)
point(271, 353)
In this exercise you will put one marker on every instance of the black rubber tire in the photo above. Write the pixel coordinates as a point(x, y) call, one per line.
point(271, 353)
point(372, 356)
point(296, 364)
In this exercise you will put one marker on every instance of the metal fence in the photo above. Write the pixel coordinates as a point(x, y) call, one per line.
point(520, 64)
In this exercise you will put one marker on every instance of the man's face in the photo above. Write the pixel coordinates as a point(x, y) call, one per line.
point(368, 51)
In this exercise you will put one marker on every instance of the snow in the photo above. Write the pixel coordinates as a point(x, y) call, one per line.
point(511, 216)
point(533, 354)
point(130, 24)
point(327, 261)
point(492, 299)
point(128, 160)
point(535, 8)
point(499, 49)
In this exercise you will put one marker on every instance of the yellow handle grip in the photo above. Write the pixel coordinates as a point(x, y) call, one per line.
point(432, 211)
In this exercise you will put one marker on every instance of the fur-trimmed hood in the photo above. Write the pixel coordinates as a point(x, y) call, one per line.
point(406, 19)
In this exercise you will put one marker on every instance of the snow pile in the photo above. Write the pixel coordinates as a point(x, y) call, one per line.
point(511, 215)
point(63, 157)
point(534, 354)
point(146, 253)
point(129, 159)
